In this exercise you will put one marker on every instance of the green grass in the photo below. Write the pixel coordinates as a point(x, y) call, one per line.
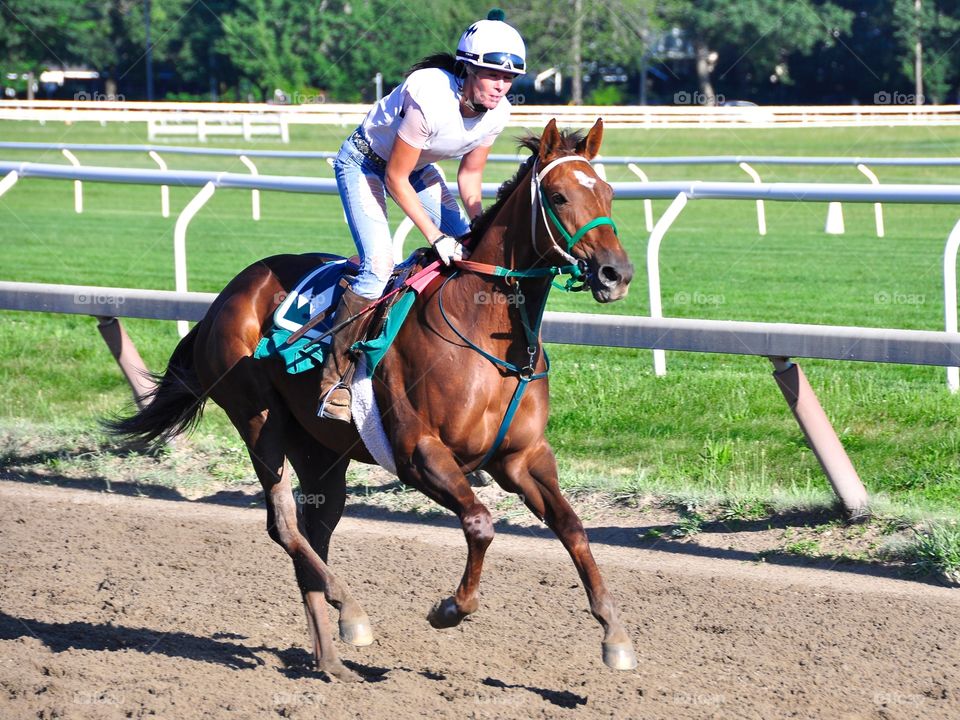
point(936, 550)
point(715, 429)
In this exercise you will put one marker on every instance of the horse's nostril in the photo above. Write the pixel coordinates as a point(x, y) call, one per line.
point(609, 276)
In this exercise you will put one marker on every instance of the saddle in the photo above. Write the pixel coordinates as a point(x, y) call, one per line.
point(304, 322)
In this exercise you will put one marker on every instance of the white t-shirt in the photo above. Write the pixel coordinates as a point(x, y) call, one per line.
point(425, 111)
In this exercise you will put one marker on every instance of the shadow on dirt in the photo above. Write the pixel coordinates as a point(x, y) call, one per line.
point(60, 637)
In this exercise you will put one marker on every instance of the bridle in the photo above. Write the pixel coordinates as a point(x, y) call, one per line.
point(549, 215)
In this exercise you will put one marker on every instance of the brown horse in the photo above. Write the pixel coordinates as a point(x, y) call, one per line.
point(441, 401)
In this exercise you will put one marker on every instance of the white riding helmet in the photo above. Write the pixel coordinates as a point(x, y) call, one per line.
point(493, 44)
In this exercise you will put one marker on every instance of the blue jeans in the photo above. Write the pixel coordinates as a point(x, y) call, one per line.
point(363, 193)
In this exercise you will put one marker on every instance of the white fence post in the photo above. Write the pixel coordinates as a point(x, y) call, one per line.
point(77, 185)
point(877, 207)
point(254, 194)
point(403, 229)
point(653, 271)
point(950, 297)
point(647, 203)
point(180, 243)
point(9, 180)
point(761, 212)
point(164, 189)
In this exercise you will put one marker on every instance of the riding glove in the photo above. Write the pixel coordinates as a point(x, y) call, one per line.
point(448, 249)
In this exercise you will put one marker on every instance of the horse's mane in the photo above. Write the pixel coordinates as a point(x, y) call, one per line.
point(568, 144)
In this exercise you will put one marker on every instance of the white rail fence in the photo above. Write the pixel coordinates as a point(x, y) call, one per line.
point(894, 112)
point(679, 193)
point(777, 341)
point(745, 163)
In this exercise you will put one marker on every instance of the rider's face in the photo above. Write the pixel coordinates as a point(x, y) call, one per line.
point(485, 87)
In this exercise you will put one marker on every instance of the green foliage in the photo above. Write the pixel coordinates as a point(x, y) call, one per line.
point(247, 49)
point(936, 551)
point(936, 26)
point(606, 95)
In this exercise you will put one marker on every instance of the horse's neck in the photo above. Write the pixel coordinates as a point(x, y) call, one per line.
point(508, 241)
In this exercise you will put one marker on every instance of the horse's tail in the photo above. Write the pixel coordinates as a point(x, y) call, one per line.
point(173, 406)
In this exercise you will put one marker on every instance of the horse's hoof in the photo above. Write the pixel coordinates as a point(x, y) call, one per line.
point(444, 614)
point(356, 632)
point(619, 656)
point(338, 671)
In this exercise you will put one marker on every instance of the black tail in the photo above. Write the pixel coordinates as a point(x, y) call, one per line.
point(174, 406)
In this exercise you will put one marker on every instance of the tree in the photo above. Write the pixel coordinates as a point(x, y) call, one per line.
point(759, 35)
point(935, 26)
point(585, 38)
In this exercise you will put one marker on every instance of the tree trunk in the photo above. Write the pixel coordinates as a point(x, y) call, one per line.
point(577, 74)
point(706, 62)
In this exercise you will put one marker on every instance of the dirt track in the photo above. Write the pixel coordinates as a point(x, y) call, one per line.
point(115, 606)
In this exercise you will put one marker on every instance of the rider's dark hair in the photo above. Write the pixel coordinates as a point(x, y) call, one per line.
point(444, 61)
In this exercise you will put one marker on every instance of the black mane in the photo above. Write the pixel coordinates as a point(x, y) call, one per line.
point(568, 143)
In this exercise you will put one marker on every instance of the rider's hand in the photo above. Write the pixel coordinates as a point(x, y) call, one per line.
point(448, 249)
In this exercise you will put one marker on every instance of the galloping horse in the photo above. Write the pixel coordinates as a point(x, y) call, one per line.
point(442, 402)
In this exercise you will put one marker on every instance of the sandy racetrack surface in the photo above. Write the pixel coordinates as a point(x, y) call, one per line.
point(116, 606)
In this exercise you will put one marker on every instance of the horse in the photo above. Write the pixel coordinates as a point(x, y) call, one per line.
point(441, 396)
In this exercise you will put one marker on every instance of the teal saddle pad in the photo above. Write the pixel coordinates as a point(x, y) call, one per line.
point(318, 291)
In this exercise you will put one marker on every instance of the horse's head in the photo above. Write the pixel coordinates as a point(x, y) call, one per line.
point(575, 210)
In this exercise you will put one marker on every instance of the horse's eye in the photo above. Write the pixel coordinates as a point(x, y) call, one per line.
point(557, 199)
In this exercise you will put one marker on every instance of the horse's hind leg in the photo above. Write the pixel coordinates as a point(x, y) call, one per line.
point(533, 474)
point(263, 432)
point(323, 491)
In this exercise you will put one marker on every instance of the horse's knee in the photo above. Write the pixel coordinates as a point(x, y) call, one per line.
point(478, 525)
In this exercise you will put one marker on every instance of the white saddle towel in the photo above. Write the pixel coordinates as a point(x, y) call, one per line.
point(366, 416)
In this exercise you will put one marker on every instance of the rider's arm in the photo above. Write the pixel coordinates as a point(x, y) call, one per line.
point(470, 177)
point(403, 160)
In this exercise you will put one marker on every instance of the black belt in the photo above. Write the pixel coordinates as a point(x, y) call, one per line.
point(363, 145)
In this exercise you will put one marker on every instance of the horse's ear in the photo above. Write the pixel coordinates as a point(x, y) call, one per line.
point(549, 141)
point(590, 145)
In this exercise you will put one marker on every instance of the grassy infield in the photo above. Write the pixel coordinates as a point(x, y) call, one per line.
point(714, 434)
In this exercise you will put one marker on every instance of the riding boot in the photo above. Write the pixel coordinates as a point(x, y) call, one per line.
point(334, 393)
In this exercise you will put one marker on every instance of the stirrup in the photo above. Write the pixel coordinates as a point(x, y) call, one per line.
point(322, 410)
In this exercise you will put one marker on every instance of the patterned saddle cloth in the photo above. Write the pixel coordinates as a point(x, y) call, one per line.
point(318, 293)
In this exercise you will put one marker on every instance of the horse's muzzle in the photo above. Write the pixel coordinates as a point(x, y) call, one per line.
point(610, 281)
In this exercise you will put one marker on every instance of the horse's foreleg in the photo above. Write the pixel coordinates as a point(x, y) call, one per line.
point(436, 473)
point(533, 474)
point(264, 436)
point(323, 492)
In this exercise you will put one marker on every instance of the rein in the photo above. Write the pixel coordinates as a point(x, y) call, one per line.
point(574, 268)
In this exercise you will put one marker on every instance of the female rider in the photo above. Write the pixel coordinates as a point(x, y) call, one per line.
point(448, 107)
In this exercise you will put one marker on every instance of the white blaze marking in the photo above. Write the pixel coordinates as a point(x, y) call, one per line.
point(584, 179)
